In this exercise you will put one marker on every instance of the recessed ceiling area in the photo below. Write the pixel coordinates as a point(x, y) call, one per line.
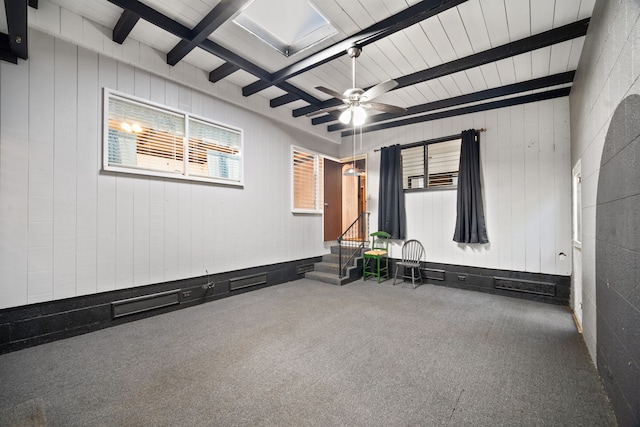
point(289, 26)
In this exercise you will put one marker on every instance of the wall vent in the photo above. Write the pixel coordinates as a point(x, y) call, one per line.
point(144, 303)
point(246, 281)
point(305, 268)
point(433, 274)
point(527, 286)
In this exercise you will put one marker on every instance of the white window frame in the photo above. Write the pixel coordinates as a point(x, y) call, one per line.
point(110, 93)
point(319, 178)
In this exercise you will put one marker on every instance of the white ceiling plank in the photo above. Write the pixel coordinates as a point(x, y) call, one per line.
point(376, 9)
point(426, 91)
point(450, 86)
point(438, 89)
point(395, 55)
point(542, 15)
point(402, 43)
point(496, 19)
point(566, 11)
point(462, 81)
point(153, 36)
point(438, 37)
point(358, 14)
point(506, 71)
point(540, 62)
point(522, 66)
point(559, 58)
point(477, 79)
point(422, 44)
point(518, 19)
point(452, 23)
point(586, 8)
point(475, 26)
point(491, 75)
point(340, 20)
point(203, 60)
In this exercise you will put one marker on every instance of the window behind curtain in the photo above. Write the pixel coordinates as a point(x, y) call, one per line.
point(437, 161)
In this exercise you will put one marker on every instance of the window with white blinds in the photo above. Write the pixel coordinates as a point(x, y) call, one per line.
point(307, 178)
point(145, 138)
point(438, 162)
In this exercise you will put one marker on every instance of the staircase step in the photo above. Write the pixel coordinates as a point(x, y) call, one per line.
point(328, 278)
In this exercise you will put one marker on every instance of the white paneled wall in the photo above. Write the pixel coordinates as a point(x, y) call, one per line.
point(526, 173)
point(609, 71)
point(68, 229)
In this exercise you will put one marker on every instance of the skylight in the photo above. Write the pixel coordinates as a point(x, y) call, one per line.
point(289, 26)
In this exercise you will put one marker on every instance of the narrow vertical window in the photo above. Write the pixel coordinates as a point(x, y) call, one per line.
point(307, 181)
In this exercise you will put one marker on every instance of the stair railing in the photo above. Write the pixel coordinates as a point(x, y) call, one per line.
point(353, 238)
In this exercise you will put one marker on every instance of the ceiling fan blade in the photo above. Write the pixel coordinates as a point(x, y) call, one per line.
point(326, 110)
point(331, 92)
point(387, 108)
point(379, 89)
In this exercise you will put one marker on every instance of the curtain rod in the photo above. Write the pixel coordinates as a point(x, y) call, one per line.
point(431, 141)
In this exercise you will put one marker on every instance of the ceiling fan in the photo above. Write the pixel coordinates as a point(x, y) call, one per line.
point(355, 100)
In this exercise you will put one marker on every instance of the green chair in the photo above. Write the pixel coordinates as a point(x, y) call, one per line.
point(375, 261)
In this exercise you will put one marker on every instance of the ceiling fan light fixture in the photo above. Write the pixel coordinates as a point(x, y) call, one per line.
point(345, 117)
point(359, 116)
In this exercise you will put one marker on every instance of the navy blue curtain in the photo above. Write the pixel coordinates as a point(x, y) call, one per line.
point(470, 224)
point(391, 212)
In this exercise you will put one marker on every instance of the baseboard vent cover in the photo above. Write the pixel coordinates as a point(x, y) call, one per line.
point(144, 303)
point(246, 281)
point(528, 286)
point(305, 268)
point(433, 273)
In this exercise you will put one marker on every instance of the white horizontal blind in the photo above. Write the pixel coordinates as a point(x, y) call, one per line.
point(307, 181)
point(144, 137)
point(149, 139)
point(444, 161)
point(214, 151)
point(413, 166)
point(438, 161)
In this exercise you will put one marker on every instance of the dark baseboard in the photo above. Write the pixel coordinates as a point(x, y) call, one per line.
point(34, 324)
point(547, 288)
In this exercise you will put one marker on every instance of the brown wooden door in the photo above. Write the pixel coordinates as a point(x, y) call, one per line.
point(332, 200)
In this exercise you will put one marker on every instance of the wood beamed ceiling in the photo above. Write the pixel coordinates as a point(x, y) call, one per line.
point(435, 40)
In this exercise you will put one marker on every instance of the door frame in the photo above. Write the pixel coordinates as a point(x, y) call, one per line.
point(364, 191)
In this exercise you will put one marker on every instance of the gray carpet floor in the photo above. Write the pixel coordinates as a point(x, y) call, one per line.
point(306, 353)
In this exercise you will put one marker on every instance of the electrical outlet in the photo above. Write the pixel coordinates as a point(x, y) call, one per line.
point(462, 278)
point(209, 285)
point(186, 294)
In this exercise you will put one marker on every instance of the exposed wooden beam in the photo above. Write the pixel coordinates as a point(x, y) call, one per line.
point(16, 11)
point(283, 100)
point(222, 71)
point(162, 21)
point(123, 27)
point(154, 17)
point(483, 95)
point(401, 20)
point(525, 99)
point(5, 50)
point(547, 38)
point(218, 16)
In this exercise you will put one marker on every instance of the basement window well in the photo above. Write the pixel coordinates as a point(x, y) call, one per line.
point(289, 26)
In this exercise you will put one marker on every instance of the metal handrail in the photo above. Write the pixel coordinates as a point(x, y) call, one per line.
point(355, 238)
